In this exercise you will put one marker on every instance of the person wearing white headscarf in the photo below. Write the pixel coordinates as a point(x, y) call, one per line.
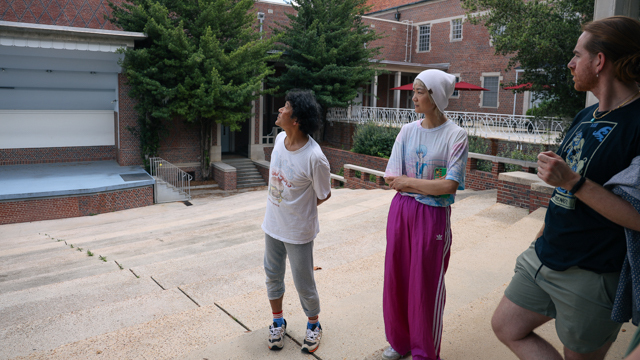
point(426, 167)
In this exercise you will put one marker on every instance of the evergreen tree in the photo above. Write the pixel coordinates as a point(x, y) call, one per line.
point(540, 36)
point(328, 50)
point(202, 61)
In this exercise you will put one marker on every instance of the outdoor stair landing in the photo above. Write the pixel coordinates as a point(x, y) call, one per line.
point(182, 265)
point(247, 174)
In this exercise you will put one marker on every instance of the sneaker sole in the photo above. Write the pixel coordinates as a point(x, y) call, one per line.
point(307, 351)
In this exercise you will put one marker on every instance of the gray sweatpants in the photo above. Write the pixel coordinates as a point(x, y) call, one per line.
point(301, 261)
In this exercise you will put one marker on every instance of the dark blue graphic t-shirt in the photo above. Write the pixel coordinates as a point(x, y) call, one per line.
point(574, 234)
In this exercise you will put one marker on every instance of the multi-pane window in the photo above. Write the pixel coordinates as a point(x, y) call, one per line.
point(424, 38)
point(456, 29)
point(456, 93)
point(490, 98)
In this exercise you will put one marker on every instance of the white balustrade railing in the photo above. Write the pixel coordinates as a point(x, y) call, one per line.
point(521, 128)
point(271, 137)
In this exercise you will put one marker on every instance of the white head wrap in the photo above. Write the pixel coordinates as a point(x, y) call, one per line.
point(441, 85)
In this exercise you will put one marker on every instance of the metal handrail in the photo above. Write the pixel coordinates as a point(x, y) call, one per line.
point(171, 174)
point(522, 128)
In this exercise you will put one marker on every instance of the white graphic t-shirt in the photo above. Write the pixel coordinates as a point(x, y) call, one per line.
point(430, 154)
point(296, 180)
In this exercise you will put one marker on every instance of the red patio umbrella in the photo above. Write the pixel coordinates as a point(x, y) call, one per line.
point(459, 86)
point(525, 86)
point(469, 87)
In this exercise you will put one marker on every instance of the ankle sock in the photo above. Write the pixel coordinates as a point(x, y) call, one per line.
point(312, 323)
point(278, 318)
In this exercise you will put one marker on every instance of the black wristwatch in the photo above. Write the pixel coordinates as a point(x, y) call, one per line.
point(578, 185)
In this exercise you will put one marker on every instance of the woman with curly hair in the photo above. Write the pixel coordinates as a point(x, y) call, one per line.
point(426, 167)
point(299, 181)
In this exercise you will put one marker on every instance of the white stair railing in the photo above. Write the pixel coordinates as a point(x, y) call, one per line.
point(522, 128)
point(172, 175)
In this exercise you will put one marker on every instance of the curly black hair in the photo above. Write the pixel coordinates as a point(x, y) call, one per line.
point(306, 110)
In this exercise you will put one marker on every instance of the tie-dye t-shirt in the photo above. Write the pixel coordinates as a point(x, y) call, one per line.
point(420, 152)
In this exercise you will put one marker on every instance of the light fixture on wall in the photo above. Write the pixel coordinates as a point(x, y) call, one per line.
point(92, 72)
point(49, 71)
point(398, 14)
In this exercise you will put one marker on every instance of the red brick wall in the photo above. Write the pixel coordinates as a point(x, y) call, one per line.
point(521, 196)
point(65, 207)
point(75, 13)
point(340, 134)
point(264, 172)
point(538, 200)
point(363, 182)
point(277, 15)
point(56, 155)
point(469, 57)
point(225, 180)
point(128, 152)
point(183, 143)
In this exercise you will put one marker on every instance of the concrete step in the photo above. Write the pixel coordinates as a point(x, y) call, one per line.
point(213, 251)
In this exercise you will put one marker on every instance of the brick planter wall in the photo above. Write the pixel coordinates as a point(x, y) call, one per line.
point(227, 180)
point(352, 182)
point(523, 190)
point(74, 206)
point(56, 155)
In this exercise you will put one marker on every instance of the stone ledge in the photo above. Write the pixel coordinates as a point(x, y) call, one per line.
point(262, 163)
point(503, 160)
point(364, 169)
point(223, 166)
point(337, 177)
point(519, 177)
point(542, 188)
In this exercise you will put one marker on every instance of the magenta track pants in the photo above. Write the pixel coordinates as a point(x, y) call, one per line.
point(418, 244)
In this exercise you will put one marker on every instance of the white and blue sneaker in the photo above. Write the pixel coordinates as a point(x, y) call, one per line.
point(390, 354)
point(312, 340)
point(276, 335)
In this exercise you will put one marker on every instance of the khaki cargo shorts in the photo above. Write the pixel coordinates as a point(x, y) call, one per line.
point(580, 300)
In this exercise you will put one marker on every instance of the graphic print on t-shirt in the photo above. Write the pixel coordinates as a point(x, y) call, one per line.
point(577, 153)
point(421, 153)
point(278, 179)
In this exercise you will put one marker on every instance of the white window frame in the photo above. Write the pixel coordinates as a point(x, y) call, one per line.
point(482, 77)
point(456, 93)
point(428, 35)
point(500, 32)
point(453, 24)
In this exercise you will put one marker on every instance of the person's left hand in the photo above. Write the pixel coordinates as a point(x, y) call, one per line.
point(553, 170)
point(398, 183)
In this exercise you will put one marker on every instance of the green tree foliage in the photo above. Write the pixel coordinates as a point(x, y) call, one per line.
point(540, 37)
point(202, 61)
point(328, 50)
point(371, 139)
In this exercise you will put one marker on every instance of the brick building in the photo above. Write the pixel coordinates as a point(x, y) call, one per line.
point(63, 97)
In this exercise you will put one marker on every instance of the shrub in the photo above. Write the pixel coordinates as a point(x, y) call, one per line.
point(479, 145)
point(371, 139)
point(517, 155)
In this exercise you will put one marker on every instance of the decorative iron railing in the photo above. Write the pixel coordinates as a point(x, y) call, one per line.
point(172, 175)
point(271, 137)
point(522, 128)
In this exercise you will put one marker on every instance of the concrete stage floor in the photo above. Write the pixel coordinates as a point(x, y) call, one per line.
point(68, 179)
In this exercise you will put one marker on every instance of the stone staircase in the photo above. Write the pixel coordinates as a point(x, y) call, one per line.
point(187, 282)
point(247, 174)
